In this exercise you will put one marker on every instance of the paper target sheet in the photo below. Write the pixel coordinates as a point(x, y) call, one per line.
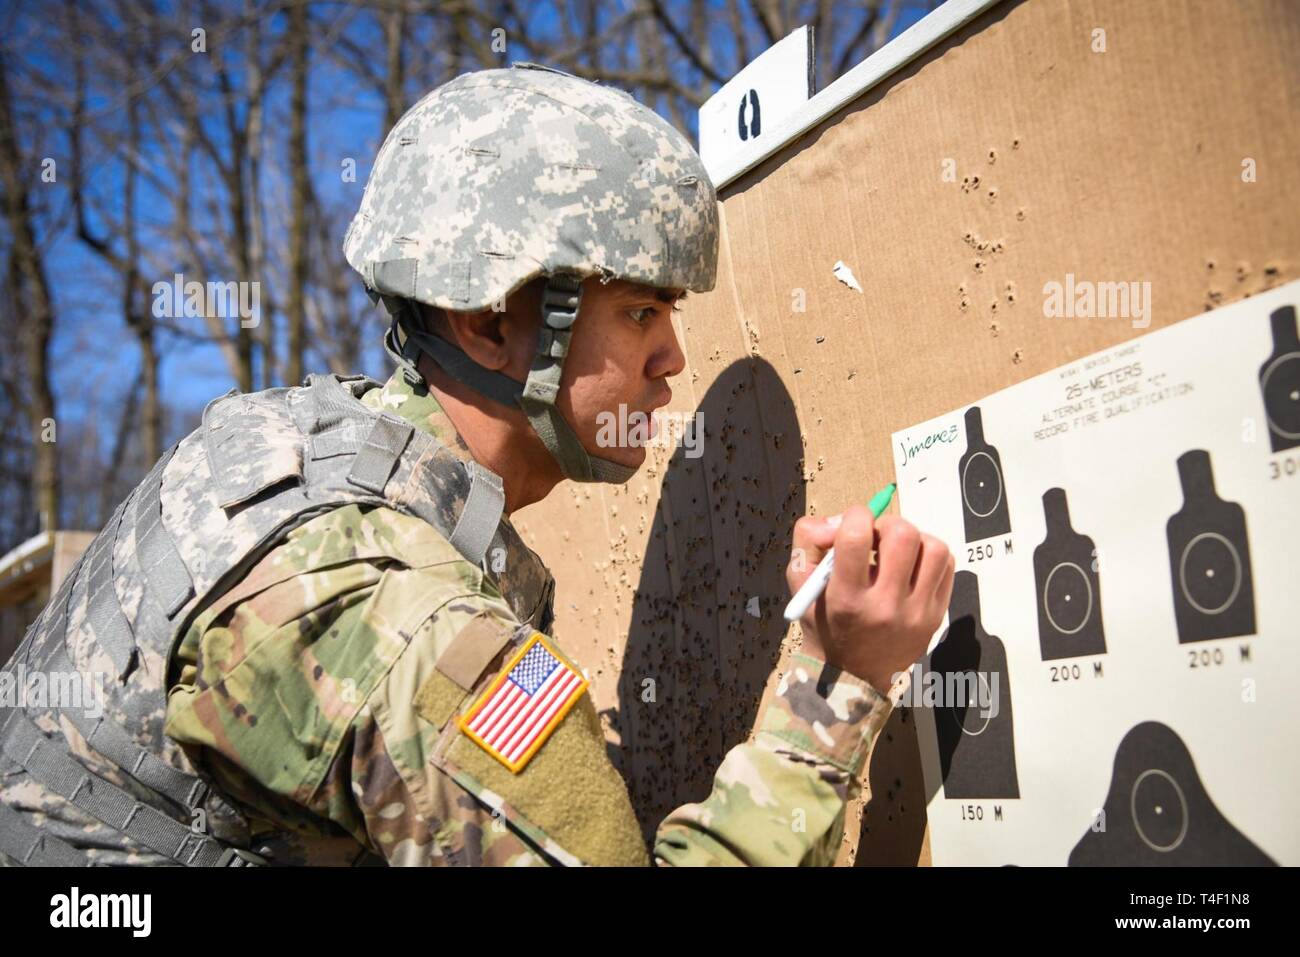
point(1116, 679)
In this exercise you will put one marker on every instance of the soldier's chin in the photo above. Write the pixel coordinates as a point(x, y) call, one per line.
point(629, 455)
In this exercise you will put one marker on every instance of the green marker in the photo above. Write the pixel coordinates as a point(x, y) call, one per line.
point(811, 589)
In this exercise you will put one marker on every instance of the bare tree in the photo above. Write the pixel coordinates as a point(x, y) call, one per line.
point(228, 139)
point(28, 284)
point(301, 190)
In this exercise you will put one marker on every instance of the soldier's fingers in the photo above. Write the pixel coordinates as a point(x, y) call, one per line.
point(853, 546)
point(900, 544)
point(943, 591)
point(813, 538)
point(930, 563)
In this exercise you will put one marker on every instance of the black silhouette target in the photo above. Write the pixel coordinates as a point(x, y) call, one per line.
point(1067, 598)
point(1279, 382)
point(1068, 586)
point(1209, 558)
point(1281, 386)
point(1158, 812)
point(981, 485)
point(983, 489)
point(977, 756)
point(1210, 573)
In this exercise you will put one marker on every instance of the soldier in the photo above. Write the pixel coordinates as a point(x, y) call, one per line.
point(324, 642)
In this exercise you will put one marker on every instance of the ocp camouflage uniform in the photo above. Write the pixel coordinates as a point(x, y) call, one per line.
point(294, 607)
point(346, 622)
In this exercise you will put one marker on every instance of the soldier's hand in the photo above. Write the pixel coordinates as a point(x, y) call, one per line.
point(873, 620)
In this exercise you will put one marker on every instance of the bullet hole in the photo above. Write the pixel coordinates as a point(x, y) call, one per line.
point(852, 374)
point(821, 339)
point(993, 194)
point(1271, 272)
point(994, 305)
point(981, 246)
point(1020, 213)
point(969, 237)
point(1209, 265)
point(979, 265)
point(1015, 144)
point(1243, 270)
point(994, 328)
point(997, 246)
point(1018, 356)
point(975, 182)
point(993, 157)
point(965, 302)
point(961, 288)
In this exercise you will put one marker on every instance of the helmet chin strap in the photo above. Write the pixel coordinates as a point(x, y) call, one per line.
point(536, 396)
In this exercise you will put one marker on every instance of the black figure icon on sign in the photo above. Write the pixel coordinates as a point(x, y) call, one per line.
point(1209, 558)
point(754, 126)
point(1157, 812)
point(977, 752)
point(983, 495)
point(1279, 380)
point(1069, 589)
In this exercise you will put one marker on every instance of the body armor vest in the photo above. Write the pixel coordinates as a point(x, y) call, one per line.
point(259, 466)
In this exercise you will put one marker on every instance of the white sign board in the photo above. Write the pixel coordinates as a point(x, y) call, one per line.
point(746, 112)
point(1115, 680)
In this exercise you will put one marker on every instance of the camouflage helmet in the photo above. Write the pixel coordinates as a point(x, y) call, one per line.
point(503, 176)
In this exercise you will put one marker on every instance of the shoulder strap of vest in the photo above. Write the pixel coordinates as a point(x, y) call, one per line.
point(274, 459)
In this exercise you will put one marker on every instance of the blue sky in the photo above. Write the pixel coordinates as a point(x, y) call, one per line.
point(96, 357)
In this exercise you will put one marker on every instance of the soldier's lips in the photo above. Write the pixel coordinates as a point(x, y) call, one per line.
point(664, 398)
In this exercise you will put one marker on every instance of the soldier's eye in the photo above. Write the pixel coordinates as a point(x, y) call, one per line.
point(641, 316)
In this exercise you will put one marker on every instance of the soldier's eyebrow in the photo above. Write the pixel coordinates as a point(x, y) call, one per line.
point(642, 291)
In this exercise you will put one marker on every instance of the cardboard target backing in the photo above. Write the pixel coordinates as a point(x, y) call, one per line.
point(1122, 165)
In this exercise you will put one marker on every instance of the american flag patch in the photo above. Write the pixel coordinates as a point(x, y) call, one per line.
point(517, 713)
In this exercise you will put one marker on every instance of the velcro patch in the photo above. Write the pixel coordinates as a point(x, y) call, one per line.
point(517, 712)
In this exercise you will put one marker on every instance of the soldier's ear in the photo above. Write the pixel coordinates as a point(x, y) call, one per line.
point(482, 336)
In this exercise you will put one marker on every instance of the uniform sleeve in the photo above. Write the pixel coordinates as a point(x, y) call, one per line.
point(315, 699)
point(296, 696)
point(779, 799)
